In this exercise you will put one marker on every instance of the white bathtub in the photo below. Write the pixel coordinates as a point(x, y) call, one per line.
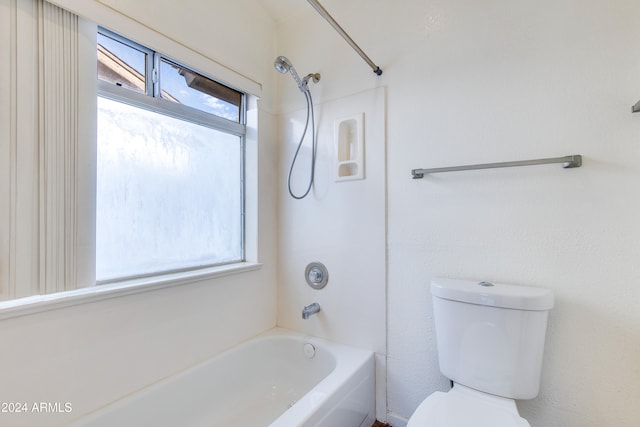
point(267, 381)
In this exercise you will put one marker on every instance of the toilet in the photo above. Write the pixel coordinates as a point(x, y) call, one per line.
point(490, 340)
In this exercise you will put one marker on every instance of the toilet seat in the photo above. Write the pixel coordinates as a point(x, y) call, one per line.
point(465, 407)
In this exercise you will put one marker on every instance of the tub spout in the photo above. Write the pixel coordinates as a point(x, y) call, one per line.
point(310, 309)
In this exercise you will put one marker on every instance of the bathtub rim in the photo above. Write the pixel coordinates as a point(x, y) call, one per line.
point(349, 361)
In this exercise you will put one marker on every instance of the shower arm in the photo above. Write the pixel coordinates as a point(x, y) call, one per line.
point(323, 12)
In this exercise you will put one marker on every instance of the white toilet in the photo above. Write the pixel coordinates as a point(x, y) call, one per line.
point(490, 343)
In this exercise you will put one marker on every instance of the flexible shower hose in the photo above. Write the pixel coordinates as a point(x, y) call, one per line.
point(307, 95)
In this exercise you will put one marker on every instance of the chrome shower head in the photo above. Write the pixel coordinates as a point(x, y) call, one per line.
point(284, 66)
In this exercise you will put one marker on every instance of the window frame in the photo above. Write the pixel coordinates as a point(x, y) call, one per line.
point(152, 100)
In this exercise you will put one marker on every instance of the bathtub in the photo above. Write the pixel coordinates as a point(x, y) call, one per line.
point(279, 379)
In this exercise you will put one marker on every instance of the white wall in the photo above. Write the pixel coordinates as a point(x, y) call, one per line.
point(91, 354)
point(475, 82)
point(340, 223)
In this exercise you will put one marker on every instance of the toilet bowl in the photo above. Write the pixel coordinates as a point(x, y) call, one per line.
point(465, 407)
point(490, 340)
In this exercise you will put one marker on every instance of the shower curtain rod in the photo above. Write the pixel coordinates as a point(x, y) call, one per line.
point(322, 11)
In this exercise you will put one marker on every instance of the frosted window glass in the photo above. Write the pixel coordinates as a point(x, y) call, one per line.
point(169, 193)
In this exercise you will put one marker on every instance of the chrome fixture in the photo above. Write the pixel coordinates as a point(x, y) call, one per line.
point(316, 275)
point(636, 107)
point(310, 310)
point(284, 66)
point(574, 161)
point(323, 12)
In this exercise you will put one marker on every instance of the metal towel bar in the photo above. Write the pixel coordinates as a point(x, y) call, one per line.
point(574, 161)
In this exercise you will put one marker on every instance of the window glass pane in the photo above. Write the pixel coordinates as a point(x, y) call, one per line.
point(169, 193)
point(179, 84)
point(121, 64)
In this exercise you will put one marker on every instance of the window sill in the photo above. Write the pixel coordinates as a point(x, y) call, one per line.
point(40, 303)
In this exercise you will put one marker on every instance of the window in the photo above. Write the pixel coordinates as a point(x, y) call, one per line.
point(170, 165)
point(188, 140)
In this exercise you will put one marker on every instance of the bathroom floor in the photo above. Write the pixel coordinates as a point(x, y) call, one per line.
point(379, 424)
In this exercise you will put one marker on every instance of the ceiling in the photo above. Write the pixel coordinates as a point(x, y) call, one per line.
point(282, 10)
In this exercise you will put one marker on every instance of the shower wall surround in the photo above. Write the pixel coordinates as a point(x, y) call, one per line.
point(341, 224)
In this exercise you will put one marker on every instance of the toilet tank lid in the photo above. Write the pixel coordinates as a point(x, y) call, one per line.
point(492, 294)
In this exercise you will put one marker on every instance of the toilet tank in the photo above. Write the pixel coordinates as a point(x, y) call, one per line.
point(490, 336)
